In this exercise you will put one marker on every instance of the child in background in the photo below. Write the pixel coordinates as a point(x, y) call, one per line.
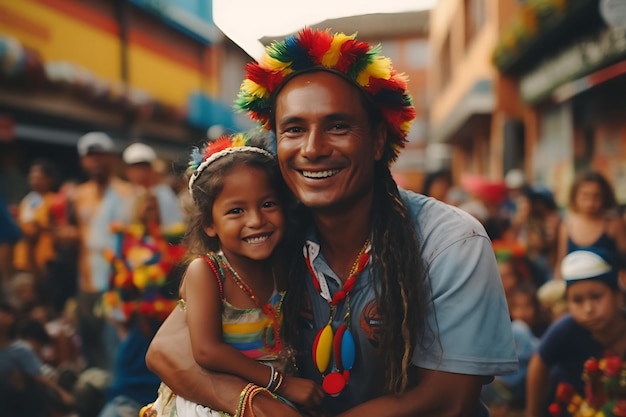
point(596, 323)
point(551, 296)
point(233, 288)
point(524, 307)
point(24, 389)
point(592, 220)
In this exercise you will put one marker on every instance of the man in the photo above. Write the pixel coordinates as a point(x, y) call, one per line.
point(427, 311)
point(100, 201)
point(140, 159)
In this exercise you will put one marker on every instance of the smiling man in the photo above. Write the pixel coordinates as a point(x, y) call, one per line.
point(405, 286)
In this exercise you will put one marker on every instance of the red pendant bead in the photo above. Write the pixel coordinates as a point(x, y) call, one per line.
point(333, 384)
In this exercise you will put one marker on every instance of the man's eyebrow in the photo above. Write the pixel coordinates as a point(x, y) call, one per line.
point(329, 117)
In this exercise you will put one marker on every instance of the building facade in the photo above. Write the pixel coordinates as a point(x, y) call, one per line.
point(469, 101)
point(136, 69)
point(567, 62)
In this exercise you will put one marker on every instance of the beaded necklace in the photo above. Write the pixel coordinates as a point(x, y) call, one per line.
point(336, 344)
point(273, 313)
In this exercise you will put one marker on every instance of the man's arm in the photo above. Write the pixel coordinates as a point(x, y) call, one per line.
point(438, 394)
point(171, 358)
point(536, 386)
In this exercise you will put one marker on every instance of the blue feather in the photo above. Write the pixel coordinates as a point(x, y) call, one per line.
point(195, 159)
point(299, 56)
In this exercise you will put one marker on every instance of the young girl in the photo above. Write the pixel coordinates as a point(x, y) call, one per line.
point(592, 220)
point(596, 323)
point(233, 290)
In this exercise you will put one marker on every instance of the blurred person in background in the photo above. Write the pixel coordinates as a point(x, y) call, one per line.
point(140, 297)
point(592, 220)
point(516, 184)
point(10, 234)
point(595, 324)
point(36, 249)
point(100, 201)
point(62, 277)
point(437, 185)
point(24, 389)
point(140, 160)
point(534, 225)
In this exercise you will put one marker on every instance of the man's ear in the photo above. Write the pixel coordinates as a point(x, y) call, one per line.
point(210, 230)
point(380, 140)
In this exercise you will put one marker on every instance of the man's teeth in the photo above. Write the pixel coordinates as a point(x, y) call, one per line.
point(320, 174)
point(257, 239)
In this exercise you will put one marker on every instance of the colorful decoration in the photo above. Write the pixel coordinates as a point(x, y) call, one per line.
point(220, 147)
point(605, 391)
point(141, 260)
point(336, 347)
point(338, 53)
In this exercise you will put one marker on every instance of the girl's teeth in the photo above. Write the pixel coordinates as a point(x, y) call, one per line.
point(258, 239)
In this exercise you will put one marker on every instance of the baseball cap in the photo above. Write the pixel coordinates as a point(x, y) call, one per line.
point(138, 153)
point(514, 178)
point(95, 142)
point(588, 264)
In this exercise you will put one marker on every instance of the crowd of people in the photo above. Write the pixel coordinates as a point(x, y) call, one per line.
point(89, 273)
point(298, 288)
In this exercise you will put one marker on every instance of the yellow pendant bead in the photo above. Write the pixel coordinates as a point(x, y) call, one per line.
point(322, 348)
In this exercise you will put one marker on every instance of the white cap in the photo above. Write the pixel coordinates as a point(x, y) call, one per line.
point(95, 142)
point(586, 264)
point(138, 153)
point(514, 178)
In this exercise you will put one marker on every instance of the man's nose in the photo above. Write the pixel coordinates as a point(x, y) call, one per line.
point(316, 144)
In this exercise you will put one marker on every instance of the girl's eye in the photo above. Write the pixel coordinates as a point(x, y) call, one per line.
point(235, 211)
point(269, 204)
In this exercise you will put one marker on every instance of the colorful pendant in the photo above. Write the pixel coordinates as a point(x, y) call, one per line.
point(348, 351)
point(334, 383)
point(322, 348)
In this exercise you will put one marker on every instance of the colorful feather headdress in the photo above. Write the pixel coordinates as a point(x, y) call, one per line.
point(340, 53)
point(220, 147)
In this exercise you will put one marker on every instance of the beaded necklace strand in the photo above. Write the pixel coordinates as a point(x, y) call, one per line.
point(271, 312)
point(338, 344)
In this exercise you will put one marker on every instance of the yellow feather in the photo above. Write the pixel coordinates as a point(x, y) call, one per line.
point(380, 67)
point(254, 89)
point(238, 141)
point(272, 64)
point(331, 57)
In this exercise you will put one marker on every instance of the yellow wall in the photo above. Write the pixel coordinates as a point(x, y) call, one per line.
point(163, 78)
point(60, 37)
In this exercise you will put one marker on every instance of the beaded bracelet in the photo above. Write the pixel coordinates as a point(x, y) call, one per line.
point(242, 399)
point(247, 395)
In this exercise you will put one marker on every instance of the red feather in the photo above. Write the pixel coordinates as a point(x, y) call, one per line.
point(316, 43)
point(218, 145)
point(350, 50)
point(263, 76)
